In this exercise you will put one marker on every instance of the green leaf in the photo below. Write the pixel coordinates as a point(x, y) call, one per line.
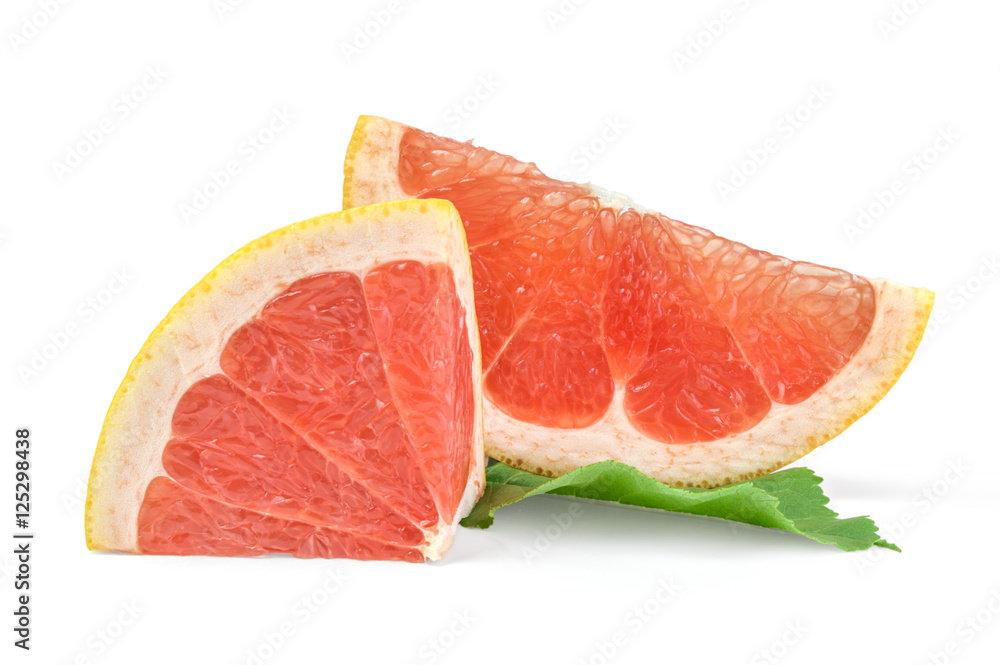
point(791, 500)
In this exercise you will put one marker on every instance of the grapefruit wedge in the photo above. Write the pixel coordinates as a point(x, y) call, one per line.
point(318, 394)
point(610, 331)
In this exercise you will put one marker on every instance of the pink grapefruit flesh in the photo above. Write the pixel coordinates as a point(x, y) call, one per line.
point(614, 332)
point(342, 418)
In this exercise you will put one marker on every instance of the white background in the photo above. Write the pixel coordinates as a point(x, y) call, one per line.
point(556, 85)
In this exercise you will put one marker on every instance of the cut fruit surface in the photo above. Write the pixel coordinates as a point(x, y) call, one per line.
point(614, 332)
point(317, 394)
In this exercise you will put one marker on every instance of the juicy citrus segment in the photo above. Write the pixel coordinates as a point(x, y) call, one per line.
point(629, 293)
point(173, 521)
point(303, 426)
point(552, 370)
point(614, 332)
point(420, 328)
point(287, 406)
point(312, 362)
point(797, 323)
point(228, 447)
point(693, 384)
point(578, 297)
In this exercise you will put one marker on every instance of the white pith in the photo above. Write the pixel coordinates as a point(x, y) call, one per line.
point(188, 344)
point(786, 433)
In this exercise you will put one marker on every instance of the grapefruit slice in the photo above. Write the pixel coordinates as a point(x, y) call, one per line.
point(318, 394)
point(611, 331)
